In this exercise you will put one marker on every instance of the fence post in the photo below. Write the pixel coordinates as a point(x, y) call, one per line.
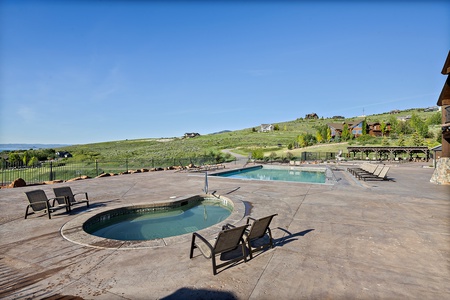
point(51, 171)
point(96, 166)
point(126, 165)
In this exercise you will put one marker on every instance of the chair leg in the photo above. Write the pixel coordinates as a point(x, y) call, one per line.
point(26, 212)
point(270, 237)
point(191, 254)
point(243, 252)
point(214, 266)
point(250, 249)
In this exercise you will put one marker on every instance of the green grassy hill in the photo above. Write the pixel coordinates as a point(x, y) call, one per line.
point(240, 141)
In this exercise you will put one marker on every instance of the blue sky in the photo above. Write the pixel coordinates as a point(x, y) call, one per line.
point(81, 72)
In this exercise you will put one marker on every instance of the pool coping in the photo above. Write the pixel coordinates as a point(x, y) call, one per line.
point(73, 230)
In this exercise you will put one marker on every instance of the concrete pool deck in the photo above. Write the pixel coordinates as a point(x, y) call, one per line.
point(351, 240)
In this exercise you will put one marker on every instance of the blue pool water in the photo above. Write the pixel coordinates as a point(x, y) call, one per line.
point(280, 173)
point(160, 224)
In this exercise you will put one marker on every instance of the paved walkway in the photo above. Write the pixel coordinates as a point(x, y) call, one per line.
point(351, 240)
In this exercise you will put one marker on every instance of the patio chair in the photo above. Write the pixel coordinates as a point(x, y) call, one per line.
point(229, 239)
point(38, 201)
point(66, 192)
point(256, 234)
point(381, 176)
point(376, 172)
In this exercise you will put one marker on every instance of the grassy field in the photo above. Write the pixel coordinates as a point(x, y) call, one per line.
point(240, 141)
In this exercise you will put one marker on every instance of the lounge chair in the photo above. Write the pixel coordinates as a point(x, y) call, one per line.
point(230, 238)
point(381, 176)
point(257, 231)
point(376, 172)
point(39, 202)
point(66, 192)
point(365, 168)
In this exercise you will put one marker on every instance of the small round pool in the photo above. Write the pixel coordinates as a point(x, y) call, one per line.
point(137, 223)
point(166, 213)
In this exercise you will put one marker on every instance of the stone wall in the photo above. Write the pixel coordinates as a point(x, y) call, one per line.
point(441, 174)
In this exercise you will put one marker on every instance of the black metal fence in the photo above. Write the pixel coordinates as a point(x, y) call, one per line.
point(65, 170)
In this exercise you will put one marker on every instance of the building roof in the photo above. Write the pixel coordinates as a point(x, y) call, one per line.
point(340, 125)
point(445, 93)
point(446, 68)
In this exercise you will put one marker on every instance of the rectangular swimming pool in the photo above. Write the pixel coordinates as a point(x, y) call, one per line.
point(279, 173)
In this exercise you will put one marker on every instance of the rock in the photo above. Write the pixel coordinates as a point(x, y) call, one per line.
point(19, 182)
point(103, 175)
point(53, 181)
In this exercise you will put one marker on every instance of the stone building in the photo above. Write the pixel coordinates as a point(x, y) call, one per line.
point(441, 174)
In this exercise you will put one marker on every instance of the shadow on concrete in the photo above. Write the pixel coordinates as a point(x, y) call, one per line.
point(82, 209)
point(189, 293)
point(289, 237)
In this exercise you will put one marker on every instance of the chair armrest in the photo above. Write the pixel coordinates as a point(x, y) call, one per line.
point(81, 193)
point(61, 200)
point(228, 226)
point(202, 239)
point(250, 218)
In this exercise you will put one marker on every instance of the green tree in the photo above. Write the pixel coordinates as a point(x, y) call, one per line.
point(364, 127)
point(301, 141)
point(383, 126)
point(25, 158)
point(385, 141)
point(276, 127)
point(434, 119)
point(258, 154)
point(319, 137)
point(33, 161)
point(419, 125)
point(416, 140)
point(13, 157)
point(401, 140)
point(392, 120)
point(328, 134)
point(345, 136)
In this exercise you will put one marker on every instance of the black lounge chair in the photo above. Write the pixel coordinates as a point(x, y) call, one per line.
point(229, 239)
point(66, 192)
point(257, 232)
point(39, 202)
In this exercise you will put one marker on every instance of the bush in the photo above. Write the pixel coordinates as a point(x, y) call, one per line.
point(258, 154)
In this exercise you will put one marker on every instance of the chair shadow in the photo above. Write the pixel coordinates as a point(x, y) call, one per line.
point(189, 293)
point(81, 209)
point(289, 237)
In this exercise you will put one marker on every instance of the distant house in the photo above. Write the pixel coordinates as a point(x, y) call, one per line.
point(432, 108)
point(395, 111)
point(191, 134)
point(311, 116)
point(404, 119)
point(63, 154)
point(374, 129)
point(266, 127)
point(356, 128)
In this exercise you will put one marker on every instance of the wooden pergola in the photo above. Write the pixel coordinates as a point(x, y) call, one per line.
point(390, 153)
